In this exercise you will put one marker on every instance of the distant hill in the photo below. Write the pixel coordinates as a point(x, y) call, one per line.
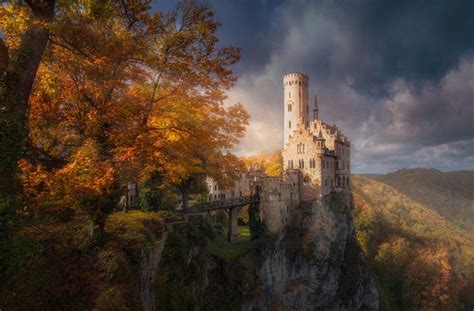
point(451, 194)
point(420, 259)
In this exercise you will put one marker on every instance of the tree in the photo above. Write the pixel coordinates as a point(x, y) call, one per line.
point(126, 97)
point(200, 148)
point(271, 163)
point(19, 62)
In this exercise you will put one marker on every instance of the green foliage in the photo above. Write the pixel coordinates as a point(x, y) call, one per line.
point(153, 196)
point(256, 225)
point(222, 248)
point(199, 267)
point(58, 269)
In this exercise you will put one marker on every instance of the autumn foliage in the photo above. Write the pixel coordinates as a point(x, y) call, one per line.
point(421, 261)
point(123, 91)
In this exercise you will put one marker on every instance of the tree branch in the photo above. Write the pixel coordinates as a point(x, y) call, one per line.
point(4, 58)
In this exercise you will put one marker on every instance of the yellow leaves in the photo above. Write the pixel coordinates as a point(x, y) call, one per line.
point(86, 174)
point(13, 22)
point(271, 164)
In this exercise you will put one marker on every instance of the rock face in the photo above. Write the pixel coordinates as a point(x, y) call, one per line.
point(316, 262)
point(148, 270)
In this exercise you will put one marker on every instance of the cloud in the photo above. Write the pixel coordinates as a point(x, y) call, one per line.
point(398, 77)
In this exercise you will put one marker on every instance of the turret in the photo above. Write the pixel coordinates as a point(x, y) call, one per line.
point(295, 88)
point(315, 108)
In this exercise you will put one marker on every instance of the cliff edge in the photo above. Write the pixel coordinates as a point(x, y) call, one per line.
point(316, 262)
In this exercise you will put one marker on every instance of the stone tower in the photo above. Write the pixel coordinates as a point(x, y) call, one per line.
point(295, 88)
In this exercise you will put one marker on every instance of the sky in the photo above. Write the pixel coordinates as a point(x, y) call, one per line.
point(396, 76)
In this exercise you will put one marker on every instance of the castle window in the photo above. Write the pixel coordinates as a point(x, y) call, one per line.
point(289, 124)
point(289, 107)
point(289, 94)
point(347, 181)
point(326, 182)
point(303, 148)
point(291, 163)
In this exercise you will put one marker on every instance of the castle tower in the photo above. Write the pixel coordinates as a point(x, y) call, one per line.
point(295, 86)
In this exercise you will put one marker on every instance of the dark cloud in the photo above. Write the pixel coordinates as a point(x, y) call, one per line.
point(396, 76)
point(248, 24)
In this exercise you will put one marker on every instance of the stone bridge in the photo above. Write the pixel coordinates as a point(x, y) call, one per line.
point(231, 206)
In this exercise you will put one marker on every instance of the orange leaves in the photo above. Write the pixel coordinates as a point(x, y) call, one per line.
point(87, 173)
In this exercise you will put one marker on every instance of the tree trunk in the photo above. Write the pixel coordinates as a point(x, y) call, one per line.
point(185, 198)
point(17, 74)
point(15, 87)
point(97, 229)
point(184, 188)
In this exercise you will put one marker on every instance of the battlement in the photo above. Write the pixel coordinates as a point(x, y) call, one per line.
point(299, 75)
point(295, 78)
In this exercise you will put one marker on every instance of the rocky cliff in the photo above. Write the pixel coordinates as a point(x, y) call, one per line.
point(315, 262)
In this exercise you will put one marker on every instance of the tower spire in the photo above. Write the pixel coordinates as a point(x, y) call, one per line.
point(315, 108)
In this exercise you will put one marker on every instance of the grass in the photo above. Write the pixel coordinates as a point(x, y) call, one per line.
point(222, 248)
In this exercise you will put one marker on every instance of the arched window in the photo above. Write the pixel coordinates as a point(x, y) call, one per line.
point(289, 164)
point(343, 181)
point(289, 94)
point(289, 107)
point(347, 181)
point(325, 182)
point(303, 148)
point(289, 124)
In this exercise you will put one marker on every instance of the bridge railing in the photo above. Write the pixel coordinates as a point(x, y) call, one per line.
point(226, 203)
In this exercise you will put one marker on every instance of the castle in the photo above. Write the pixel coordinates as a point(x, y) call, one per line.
point(316, 160)
point(319, 151)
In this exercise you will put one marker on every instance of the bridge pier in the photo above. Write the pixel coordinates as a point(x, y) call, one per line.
point(233, 233)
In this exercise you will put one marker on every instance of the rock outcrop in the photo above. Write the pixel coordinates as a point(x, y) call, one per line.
point(316, 262)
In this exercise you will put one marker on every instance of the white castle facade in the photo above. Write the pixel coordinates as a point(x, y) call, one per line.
point(316, 156)
point(319, 151)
